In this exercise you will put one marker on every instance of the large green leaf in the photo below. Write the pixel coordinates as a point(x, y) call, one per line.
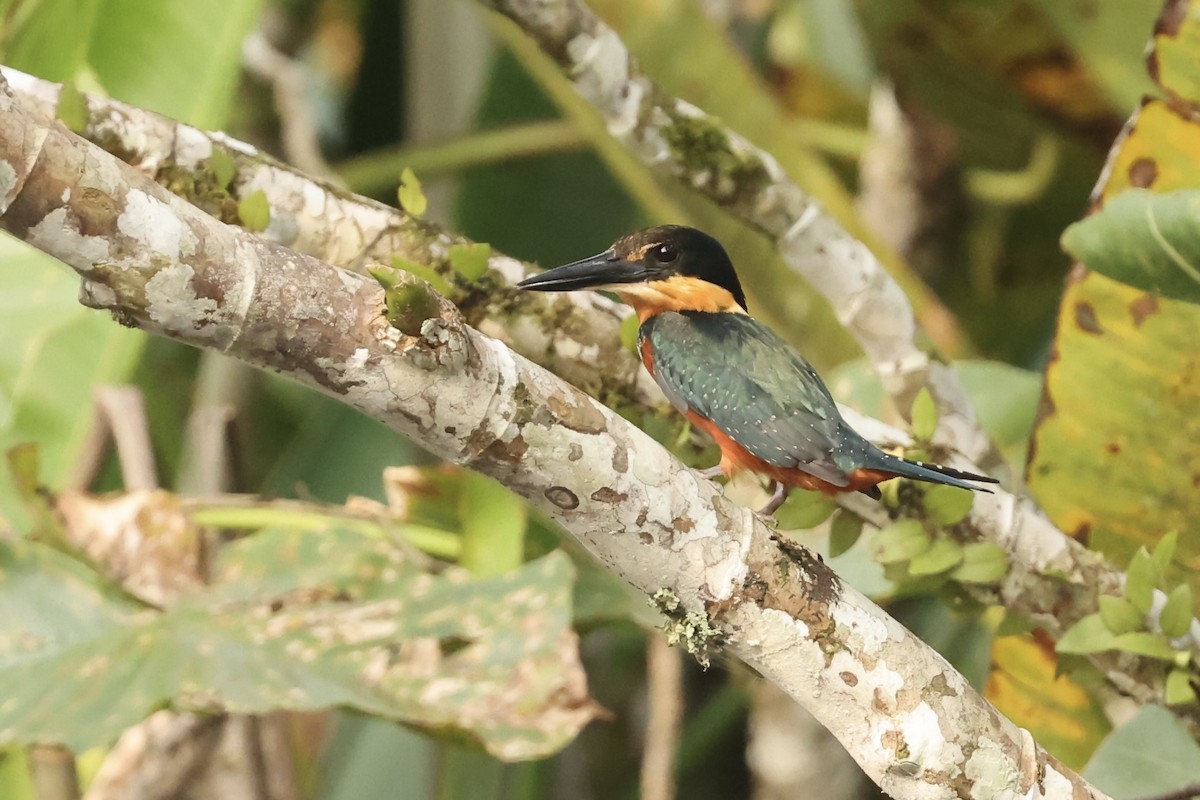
point(1147, 240)
point(1126, 765)
point(55, 352)
point(177, 57)
point(1114, 458)
point(295, 620)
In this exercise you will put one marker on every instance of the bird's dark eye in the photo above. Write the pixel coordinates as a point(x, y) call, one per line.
point(665, 253)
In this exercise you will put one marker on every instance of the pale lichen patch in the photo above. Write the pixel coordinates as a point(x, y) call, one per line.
point(992, 772)
point(156, 225)
point(56, 233)
point(173, 303)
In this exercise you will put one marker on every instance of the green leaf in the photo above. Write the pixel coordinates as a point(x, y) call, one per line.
point(844, 532)
point(255, 211)
point(1119, 615)
point(629, 332)
point(424, 272)
point(924, 416)
point(1164, 551)
point(1178, 690)
point(1144, 239)
point(1176, 615)
point(55, 353)
point(493, 525)
point(470, 260)
point(1089, 635)
point(803, 510)
point(1144, 643)
point(1124, 766)
point(299, 620)
point(900, 542)
point(72, 108)
point(942, 555)
point(223, 167)
point(1141, 578)
point(983, 562)
point(412, 199)
point(948, 504)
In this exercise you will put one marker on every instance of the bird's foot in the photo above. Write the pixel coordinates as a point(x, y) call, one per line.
point(781, 493)
point(711, 472)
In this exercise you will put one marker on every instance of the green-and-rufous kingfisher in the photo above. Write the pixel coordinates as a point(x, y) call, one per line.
point(735, 378)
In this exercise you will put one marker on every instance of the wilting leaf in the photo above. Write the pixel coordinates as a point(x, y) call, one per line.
point(295, 620)
point(1025, 685)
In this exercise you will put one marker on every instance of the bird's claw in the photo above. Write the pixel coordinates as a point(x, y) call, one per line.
point(711, 472)
point(781, 493)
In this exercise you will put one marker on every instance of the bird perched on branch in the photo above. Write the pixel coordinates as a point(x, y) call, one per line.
point(735, 378)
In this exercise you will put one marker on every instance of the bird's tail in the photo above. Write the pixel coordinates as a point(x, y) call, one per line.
point(930, 473)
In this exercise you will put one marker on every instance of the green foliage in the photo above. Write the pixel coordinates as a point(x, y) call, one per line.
point(412, 198)
point(1119, 615)
point(55, 352)
point(1141, 579)
point(223, 167)
point(900, 541)
point(844, 532)
point(1178, 690)
point(470, 260)
point(803, 510)
point(254, 210)
point(982, 562)
point(1089, 635)
point(1125, 767)
point(72, 109)
point(924, 416)
point(308, 620)
point(1176, 615)
point(1144, 239)
point(424, 272)
point(947, 505)
point(176, 57)
point(942, 555)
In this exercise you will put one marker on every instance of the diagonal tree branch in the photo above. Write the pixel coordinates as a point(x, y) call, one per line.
point(916, 726)
point(1052, 579)
point(682, 141)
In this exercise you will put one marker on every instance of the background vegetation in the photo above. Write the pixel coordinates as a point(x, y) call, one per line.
point(1007, 111)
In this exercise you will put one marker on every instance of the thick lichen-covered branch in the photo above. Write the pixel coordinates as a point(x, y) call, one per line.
point(161, 264)
point(1052, 579)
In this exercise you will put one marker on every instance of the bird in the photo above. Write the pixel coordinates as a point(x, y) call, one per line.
point(733, 377)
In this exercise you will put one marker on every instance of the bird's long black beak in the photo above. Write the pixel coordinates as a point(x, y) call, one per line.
point(598, 271)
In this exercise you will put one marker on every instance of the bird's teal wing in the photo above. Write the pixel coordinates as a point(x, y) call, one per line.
point(737, 372)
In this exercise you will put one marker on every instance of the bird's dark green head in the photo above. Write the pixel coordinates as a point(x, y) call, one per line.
point(668, 267)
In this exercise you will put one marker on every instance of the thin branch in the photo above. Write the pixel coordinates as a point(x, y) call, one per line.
point(289, 83)
point(664, 690)
point(914, 724)
point(52, 771)
point(379, 171)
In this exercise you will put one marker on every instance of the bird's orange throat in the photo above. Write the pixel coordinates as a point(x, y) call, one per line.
point(677, 293)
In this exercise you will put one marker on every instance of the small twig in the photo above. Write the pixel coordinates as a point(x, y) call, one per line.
point(52, 769)
point(664, 686)
point(379, 171)
point(125, 414)
point(288, 79)
point(118, 414)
